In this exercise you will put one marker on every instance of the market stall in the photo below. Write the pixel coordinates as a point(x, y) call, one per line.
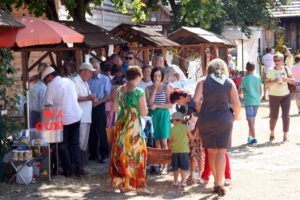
point(200, 45)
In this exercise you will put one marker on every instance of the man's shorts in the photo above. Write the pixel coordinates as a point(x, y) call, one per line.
point(251, 112)
point(181, 161)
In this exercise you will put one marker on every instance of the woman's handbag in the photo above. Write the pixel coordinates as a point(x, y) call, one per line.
point(292, 88)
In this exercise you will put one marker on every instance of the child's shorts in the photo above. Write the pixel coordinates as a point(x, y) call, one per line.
point(251, 112)
point(180, 161)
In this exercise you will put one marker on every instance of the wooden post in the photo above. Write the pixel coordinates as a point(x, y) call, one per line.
point(58, 59)
point(203, 59)
point(146, 56)
point(226, 56)
point(25, 72)
point(164, 52)
point(78, 58)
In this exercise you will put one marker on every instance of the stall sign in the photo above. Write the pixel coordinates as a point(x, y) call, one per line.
point(52, 121)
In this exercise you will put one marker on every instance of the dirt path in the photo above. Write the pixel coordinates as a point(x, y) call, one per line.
point(265, 171)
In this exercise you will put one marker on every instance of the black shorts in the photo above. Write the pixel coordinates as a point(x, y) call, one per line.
point(180, 161)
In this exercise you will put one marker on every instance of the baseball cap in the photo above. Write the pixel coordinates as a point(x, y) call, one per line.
point(86, 66)
point(48, 70)
point(178, 116)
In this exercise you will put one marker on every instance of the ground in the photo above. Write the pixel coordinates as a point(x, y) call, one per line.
point(264, 171)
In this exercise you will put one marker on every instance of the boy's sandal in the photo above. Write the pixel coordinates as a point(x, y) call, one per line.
point(272, 138)
point(183, 184)
point(285, 139)
point(175, 183)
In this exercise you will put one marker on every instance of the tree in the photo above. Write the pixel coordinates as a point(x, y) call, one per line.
point(208, 14)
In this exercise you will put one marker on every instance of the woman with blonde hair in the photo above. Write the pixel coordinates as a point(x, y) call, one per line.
point(277, 80)
point(215, 120)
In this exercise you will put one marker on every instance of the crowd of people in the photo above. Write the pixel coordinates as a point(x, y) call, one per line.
point(197, 128)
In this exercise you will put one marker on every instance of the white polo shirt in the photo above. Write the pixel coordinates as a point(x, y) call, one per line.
point(82, 89)
point(61, 93)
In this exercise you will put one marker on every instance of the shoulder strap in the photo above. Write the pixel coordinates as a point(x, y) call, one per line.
point(287, 73)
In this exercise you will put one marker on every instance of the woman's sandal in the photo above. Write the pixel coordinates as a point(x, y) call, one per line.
point(144, 191)
point(125, 189)
point(220, 191)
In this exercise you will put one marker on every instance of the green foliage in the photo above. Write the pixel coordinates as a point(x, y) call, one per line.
point(8, 96)
point(208, 14)
point(280, 43)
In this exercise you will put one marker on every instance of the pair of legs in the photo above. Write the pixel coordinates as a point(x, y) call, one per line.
point(182, 174)
point(275, 103)
point(217, 163)
point(251, 111)
point(193, 162)
point(180, 161)
point(162, 144)
point(206, 172)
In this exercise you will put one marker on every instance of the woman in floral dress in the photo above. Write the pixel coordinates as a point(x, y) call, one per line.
point(129, 150)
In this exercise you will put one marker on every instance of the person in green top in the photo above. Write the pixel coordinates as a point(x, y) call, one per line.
point(179, 145)
point(251, 88)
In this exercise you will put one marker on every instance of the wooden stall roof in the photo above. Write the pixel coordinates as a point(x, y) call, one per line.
point(291, 9)
point(7, 21)
point(142, 35)
point(194, 35)
point(95, 36)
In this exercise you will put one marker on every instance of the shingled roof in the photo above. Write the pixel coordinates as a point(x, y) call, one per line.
point(95, 36)
point(292, 9)
point(195, 35)
point(142, 35)
point(8, 21)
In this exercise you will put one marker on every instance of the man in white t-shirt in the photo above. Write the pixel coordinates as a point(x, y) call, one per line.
point(268, 62)
point(85, 99)
point(61, 93)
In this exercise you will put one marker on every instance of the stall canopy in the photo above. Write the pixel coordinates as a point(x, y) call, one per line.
point(143, 40)
point(207, 45)
point(195, 35)
point(95, 36)
point(142, 35)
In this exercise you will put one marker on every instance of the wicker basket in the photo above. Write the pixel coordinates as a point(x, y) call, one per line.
point(159, 156)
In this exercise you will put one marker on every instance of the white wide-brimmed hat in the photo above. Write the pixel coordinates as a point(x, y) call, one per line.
point(48, 70)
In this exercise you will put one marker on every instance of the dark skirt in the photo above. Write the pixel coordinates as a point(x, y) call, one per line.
point(215, 130)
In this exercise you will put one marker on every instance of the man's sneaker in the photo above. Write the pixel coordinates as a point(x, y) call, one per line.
point(249, 140)
point(254, 141)
point(227, 182)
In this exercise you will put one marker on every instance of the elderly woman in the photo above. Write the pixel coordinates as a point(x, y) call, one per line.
point(277, 80)
point(215, 120)
point(129, 150)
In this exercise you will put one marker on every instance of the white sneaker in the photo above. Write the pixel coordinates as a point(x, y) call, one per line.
point(227, 182)
point(164, 171)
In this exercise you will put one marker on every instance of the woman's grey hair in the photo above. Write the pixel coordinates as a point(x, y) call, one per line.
point(218, 67)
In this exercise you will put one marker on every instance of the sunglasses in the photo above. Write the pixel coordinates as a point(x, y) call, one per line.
point(277, 60)
point(128, 58)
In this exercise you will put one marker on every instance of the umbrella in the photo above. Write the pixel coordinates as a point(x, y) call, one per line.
point(39, 31)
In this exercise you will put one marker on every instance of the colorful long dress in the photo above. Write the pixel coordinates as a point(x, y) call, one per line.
point(129, 150)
